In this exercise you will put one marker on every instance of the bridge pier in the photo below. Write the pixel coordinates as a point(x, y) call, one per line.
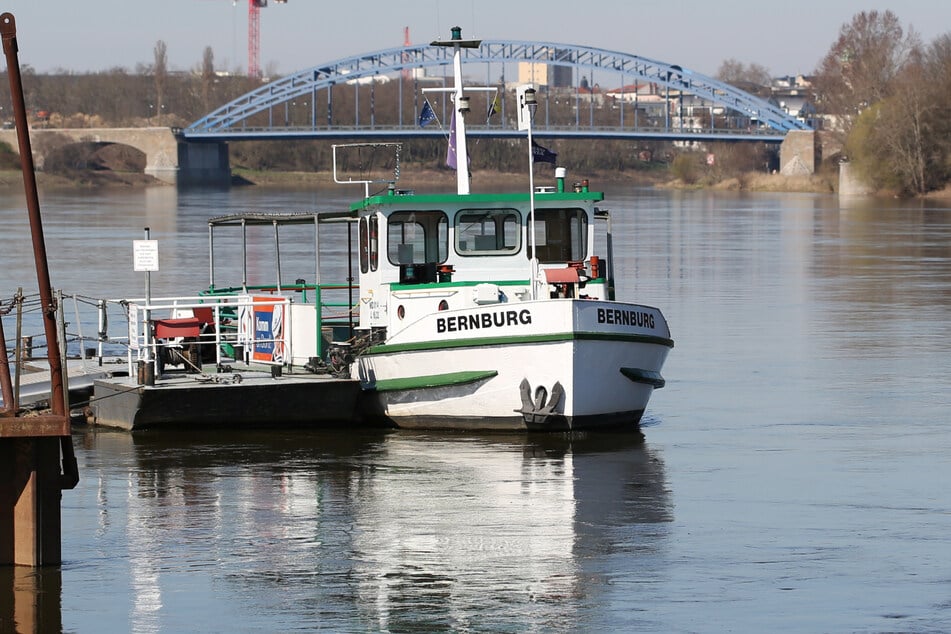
point(799, 153)
point(849, 182)
point(202, 164)
point(168, 157)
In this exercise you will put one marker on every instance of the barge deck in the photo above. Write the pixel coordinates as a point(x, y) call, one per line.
point(249, 398)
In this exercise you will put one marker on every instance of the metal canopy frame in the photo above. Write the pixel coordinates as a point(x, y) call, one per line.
point(275, 220)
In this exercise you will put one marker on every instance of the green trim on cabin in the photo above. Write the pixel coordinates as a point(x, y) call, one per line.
point(433, 380)
point(649, 377)
point(467, 200)
point(478, 342)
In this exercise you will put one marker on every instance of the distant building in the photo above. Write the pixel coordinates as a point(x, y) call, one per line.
point(633, 92)
point(793, 95)
point(533, 73)
point(561, 75)
point(548, 74)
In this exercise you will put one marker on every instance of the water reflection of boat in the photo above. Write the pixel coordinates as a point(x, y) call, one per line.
point(391, 528)
point(512, 522)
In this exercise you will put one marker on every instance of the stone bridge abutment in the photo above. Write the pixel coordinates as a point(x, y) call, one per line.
point(168, 157)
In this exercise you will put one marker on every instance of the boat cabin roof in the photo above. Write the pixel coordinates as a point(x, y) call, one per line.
point(398, 198)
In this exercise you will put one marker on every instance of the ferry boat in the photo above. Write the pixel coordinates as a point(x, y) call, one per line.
point(477, 311)
point(493, 310)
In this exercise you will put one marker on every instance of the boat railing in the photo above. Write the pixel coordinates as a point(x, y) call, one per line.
point(256, 325)
point(76, 337)
point(192, 326)
point(337, 305)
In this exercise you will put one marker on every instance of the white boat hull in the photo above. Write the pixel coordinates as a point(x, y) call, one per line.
point(561, 364)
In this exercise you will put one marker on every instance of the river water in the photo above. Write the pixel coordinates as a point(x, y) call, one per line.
point(793, 475)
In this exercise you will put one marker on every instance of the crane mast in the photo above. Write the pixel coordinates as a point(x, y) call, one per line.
point(254, 35)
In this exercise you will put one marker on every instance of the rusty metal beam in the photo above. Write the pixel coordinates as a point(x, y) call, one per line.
point(34, 426)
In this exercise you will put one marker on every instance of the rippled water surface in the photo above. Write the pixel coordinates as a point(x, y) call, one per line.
point(793, 474)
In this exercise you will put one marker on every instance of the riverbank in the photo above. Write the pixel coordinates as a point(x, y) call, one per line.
point(428, 179)
point(425, 179)
point(81, 179)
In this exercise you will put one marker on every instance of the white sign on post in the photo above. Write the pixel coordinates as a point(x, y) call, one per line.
point(145, 255)
point(522, 113)
point(133, 327)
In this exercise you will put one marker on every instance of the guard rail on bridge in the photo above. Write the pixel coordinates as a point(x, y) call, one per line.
point(652, 99)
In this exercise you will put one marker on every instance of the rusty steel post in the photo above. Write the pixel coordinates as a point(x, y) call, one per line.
point(30, 448)
point(57, 396)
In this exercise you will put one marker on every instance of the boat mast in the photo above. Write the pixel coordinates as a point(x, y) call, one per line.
point(527, 104)
point(460, 106)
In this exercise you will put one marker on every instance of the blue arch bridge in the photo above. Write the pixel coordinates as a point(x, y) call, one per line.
point(584, 92)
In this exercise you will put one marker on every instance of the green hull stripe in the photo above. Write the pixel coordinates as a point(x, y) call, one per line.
point(644, 376)
point(433, 380)
point(476, 342)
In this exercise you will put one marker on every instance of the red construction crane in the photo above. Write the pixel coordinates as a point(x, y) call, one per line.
point(254, 35)
point(407, 74)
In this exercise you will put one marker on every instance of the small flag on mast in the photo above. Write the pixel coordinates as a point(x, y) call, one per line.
point(543, 155)
point(494, 107)
point(426, 116)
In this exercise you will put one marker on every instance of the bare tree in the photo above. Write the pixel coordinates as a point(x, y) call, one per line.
point(861, 66)
point(207, 77)
point(902, 136)
point(160, 74)
point(753, 78)
point(902, 143)
point(938, 77)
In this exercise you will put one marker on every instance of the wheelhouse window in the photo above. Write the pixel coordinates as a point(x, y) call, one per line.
point(488, 232)
point(417, 237)
point(369, 243)
point(374, 224)
point(364, 245)
point(561, 235)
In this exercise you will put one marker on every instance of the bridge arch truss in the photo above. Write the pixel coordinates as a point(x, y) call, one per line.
point(288, 107)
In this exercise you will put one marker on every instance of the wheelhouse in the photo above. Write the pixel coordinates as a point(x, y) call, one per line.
point(411, 243)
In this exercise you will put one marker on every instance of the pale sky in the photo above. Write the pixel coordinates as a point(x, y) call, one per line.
point(787, 37)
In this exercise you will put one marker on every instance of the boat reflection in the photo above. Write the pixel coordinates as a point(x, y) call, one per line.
point(514, 528)
point(387, 530)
